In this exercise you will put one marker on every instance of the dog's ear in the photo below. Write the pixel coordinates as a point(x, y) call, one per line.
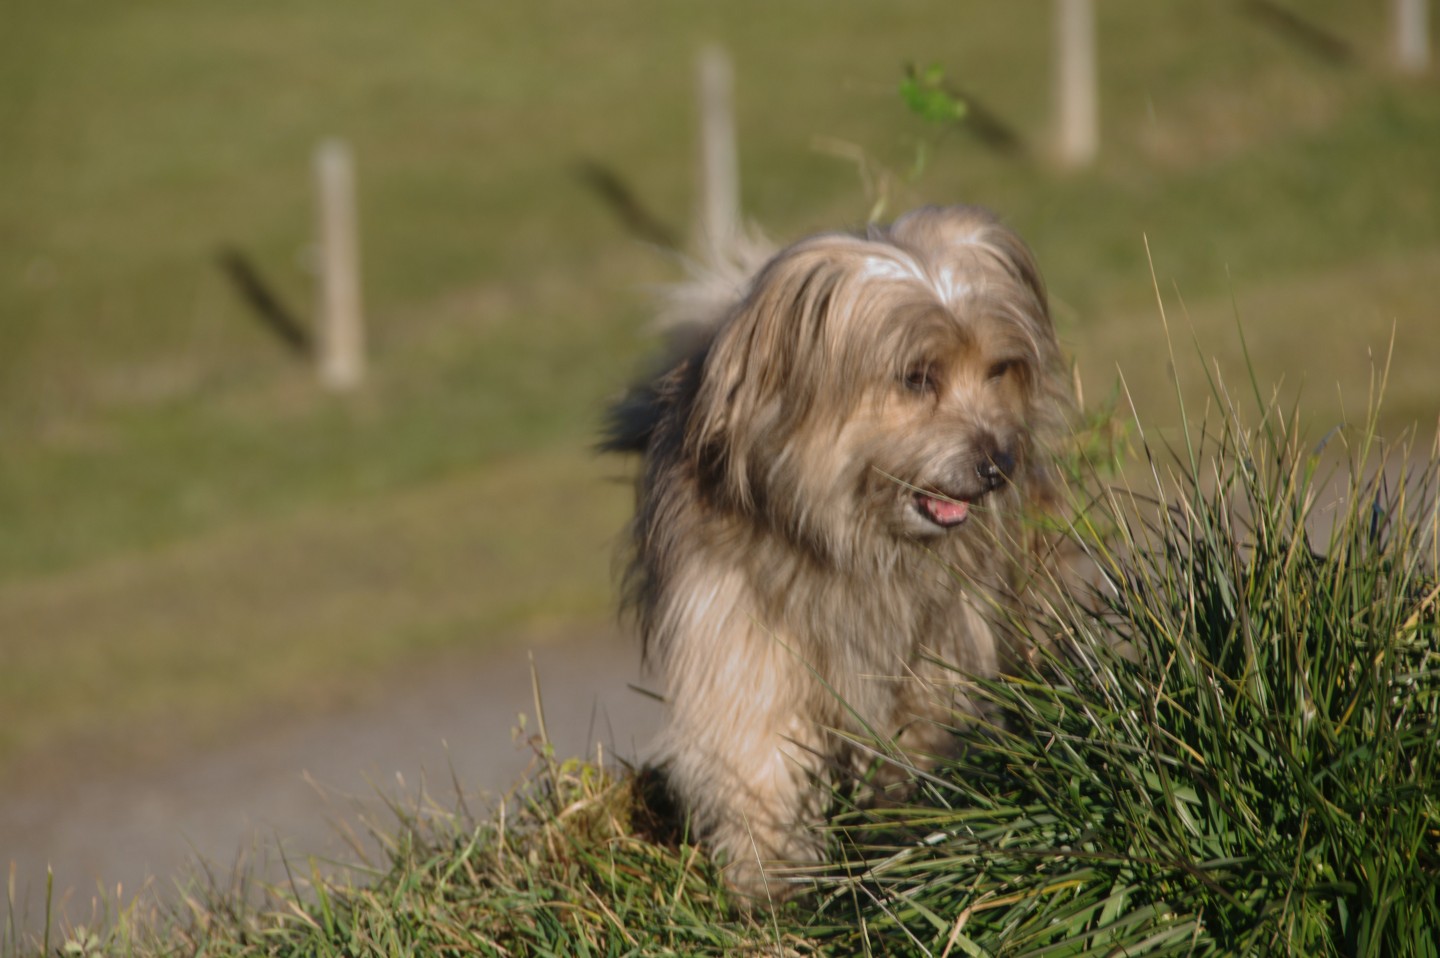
point(764, 370)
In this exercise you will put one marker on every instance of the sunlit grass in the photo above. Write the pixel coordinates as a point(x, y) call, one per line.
point(1235, 750)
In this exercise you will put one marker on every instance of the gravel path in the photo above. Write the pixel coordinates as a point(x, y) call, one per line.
point(290, 786)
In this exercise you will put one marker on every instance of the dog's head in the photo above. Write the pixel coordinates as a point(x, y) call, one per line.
point(896, 383)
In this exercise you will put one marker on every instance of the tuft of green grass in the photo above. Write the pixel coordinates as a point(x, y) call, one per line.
point(1235, 747)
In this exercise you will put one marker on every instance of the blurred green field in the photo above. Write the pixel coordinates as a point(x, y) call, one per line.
point(193, 533)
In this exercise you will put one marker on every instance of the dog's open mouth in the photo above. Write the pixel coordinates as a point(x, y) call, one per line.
point(944, 511)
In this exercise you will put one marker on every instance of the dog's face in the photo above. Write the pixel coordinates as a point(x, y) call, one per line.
point(947, 427)
point(893, 384)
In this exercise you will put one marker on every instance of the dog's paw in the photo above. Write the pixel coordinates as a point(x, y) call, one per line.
point(767, 868)
point(758, 884)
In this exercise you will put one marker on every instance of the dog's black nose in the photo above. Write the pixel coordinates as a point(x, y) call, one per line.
point(996, 469)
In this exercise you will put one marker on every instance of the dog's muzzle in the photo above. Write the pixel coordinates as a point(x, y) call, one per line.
point(948, 508)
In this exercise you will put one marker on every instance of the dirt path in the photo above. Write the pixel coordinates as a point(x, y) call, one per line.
point(287, 788)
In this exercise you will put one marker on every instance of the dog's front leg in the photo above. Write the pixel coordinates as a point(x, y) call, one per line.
point(745, 757)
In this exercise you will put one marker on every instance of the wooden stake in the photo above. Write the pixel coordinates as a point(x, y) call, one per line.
point(1412, 35)
point(1077, 97)
point(719, 167)
point(342, 327)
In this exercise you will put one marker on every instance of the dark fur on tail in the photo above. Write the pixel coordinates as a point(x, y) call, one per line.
point(631, 422)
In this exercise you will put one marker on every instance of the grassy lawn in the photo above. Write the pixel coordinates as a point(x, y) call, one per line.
point(192, 530)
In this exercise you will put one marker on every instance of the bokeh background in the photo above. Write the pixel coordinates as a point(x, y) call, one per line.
point(195, 537)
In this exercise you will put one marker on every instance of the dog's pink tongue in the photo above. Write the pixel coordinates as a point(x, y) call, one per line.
point(943, 511)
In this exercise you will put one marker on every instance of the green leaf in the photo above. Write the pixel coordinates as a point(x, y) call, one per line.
point(927, 98)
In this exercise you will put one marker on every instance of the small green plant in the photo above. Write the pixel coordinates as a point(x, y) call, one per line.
point(926, 96)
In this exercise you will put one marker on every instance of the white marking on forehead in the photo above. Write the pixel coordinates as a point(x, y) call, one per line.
point(884, 267)
point(948, 285)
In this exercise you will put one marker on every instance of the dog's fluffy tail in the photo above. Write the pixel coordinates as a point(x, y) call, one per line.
point(689, 315)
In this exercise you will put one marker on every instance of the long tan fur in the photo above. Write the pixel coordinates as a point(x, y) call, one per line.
point(831, 501)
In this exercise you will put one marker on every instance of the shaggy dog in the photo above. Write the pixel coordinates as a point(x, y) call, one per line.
point(830, 516)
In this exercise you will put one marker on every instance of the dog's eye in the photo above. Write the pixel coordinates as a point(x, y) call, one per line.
point(1000, 369)
point(920, 378)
